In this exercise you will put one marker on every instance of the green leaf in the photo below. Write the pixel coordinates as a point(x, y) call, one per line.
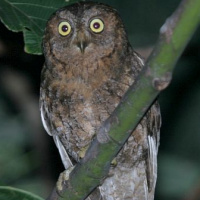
point(29, 17)
point(9, 193)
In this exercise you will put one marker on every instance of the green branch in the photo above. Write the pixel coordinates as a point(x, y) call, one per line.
point(156, 76)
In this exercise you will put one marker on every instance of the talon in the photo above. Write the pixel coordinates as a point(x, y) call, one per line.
point(83, 151)
point(114, 162)
point(63, 177)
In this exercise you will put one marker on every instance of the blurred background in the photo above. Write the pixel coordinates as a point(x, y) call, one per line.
point(28, 157)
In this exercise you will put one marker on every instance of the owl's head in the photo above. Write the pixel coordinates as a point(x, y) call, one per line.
point(82, 29)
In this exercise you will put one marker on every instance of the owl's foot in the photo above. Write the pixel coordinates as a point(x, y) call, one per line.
point(114, 162)
point(83, 151)
point(63, 177)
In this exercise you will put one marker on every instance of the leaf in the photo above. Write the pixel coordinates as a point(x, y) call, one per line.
point(10, 193)
point(29, 17)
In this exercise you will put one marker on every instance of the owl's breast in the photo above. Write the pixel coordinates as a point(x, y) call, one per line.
point(79, 99)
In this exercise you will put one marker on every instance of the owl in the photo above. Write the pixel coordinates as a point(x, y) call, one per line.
point(89, 65)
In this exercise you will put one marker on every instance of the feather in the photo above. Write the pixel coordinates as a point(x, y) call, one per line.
point(63, 154)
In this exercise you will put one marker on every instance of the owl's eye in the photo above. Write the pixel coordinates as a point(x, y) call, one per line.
point(97, 25)
point(64, 28)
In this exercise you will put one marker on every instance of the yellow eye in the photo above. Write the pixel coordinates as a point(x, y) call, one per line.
point(97, 25)
point(64, 28)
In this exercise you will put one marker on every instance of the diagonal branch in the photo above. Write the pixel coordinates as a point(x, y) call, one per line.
point(155, 77)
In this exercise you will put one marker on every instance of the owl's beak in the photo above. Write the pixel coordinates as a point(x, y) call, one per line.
point(82, 45)
point(82, 41)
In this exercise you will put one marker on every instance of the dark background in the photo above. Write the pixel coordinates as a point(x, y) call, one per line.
point(28, 157)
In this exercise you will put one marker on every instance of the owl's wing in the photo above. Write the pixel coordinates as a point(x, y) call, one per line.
point(153, 133)
point(46, 123)
point(153, 142)
point(63, 154)
point(45, 120)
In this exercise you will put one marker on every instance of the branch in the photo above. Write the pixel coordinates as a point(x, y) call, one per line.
point(155, 77)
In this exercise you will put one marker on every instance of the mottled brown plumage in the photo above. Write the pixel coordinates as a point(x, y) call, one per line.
point(87, 71)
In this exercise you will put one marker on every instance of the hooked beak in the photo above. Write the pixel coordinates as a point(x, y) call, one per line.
point(82, 42)
point(82, 45)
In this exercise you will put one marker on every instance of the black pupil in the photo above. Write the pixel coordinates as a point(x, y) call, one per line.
point(64, 28)
point(96, 25)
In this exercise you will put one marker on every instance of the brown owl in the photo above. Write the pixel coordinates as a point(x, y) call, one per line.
point(89, 65)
